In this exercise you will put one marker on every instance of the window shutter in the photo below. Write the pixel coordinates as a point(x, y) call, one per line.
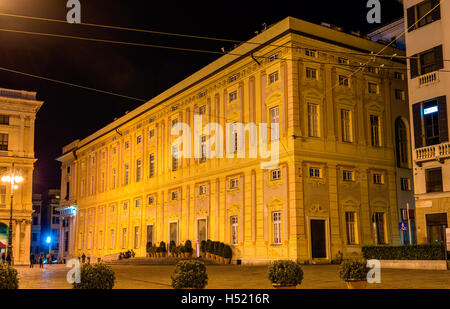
point(411, 14)
point(443, 126)
point(436, 14)
point(439, 57)
point(417, 122)
point(414, 66)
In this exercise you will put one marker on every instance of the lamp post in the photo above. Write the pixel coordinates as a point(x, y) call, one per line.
point(13, 180)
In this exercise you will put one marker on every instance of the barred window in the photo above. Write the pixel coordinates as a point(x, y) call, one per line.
point(3, 141)
point(276, 226)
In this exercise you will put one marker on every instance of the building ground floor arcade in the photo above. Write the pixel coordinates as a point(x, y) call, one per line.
point(309, 211)
point(21, 236)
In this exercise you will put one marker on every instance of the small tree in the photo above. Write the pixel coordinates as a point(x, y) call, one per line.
point(353, 270)
point(220, 250)
point(203, 246)
point(189, 274)
point(188, 247)
point(216, 247)
point(209, 246)
point(96, 276)
point(172, 247)
point(162, 246)
point(227, 252)
point(148, 247)
point(8, 277)
point(285, 273)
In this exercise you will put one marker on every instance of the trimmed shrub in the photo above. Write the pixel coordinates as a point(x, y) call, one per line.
point(220, 250)
point(8, 277)
point(209, 246)
point(172, 246)
point(216, 247)
point(188, 246)
point(285, 273)
point(189, 274)
point(203, 246)
point(353, 270)
point(162, 246)
point(405, 252)
point(96, 276)
point(148, 247)
point(227, 252)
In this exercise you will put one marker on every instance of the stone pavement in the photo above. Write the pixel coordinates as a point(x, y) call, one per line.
point(234, 277)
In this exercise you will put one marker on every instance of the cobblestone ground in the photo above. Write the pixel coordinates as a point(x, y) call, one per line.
point(234, 277)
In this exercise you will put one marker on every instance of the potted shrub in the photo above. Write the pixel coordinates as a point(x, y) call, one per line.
point(8, 277)
point(154, 250)
point(148, 248)
point(203, 248)
point(220, 252)
point(188, 248)
point(189, 274)
point(209, 249)
point(96, 276)
point(180, 251)
point(285, 274)
point(354, 273)
point(162, 249)
point(227, 254)
point(172, 248)
point(216, 250)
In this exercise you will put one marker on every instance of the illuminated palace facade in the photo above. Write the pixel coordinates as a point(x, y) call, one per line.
point(335, 186)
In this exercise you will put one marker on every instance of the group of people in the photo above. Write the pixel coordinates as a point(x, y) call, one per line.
point(39, 259)
point(6, 258)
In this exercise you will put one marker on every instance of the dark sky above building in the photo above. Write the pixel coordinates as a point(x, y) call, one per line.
point(70, 113)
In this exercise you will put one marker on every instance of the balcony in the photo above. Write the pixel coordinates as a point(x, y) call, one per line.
point(428, 79)
point(436, 152)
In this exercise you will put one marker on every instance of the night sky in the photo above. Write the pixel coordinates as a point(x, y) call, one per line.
point(69, 113)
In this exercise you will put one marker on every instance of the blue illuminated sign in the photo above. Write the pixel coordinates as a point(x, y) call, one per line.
point(430, 110)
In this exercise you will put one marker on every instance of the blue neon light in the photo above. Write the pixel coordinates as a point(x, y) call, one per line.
point(430, 110)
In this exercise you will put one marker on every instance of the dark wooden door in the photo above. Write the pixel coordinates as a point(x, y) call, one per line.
point(318, 239)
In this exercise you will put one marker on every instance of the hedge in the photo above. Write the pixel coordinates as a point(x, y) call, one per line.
point(406, 252)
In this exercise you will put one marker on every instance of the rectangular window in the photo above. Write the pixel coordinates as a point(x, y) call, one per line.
point(174, 158)
point(125, 206)
point(202, 189)
point(343, 81)
point(311, 73)
point(399, 75)
point(203, 148)
point(232, 96)
point(373, 88)
point(310, 52)
point(380, 228)
point(152, 165)
point(234, 183)
point(274, 122)
point(313, 120)
point(202, 94)
point(314, 172)
point(275, 174)
point(433, 178)
point(100, 239)
point(138, 139)
point(136, 237)
point(375, 130)
point(234, 230)
point(404, 183)
point(347, 175)
point(202, 110)
point(174, 195)
point(273, 57)
point(137, 203)
point(127, 144)
point(3, 141)
point(400, 94)
point(378, 179)
point(103, 182)
point(4, 119)
point(126, 174)
point(276, 227)
point(431, 123)
point(113, 178)
point(138, 170)
point(124, 238)
point(273, 77)
point(234, 137)
point(232, 78)
point(151, 200)
point(151, 133)
point(346, 123)
point(350, 221)
point(2, 194)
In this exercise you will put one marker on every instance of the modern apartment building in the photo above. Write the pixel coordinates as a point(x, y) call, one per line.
point(330, 187)
point(51, 222)
point(17, 115)
point(428, 45)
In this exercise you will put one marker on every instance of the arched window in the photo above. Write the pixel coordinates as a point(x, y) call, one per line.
point(401, 138)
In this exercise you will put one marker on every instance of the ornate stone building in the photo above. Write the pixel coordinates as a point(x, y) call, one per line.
point(17, 116)
point(332, 189)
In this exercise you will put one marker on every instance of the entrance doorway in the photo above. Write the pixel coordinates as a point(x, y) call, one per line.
point(318, 239)
point(174, 232)
point(436, 224)
point(201, 230)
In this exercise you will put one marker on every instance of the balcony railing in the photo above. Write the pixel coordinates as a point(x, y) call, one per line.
point(435, 152)
point(427, 79)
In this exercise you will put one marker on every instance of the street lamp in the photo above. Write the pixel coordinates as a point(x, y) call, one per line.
point(49, 241)
point(13, 180)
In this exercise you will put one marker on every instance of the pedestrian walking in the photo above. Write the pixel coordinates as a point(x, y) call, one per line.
point(83, 258)
point(41, 261)
point(32, 260)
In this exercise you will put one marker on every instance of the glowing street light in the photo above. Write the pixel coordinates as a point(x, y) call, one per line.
point(13, 180)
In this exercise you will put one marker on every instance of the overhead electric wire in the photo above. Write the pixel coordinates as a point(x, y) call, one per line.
point(72, 84)
point(192, 36)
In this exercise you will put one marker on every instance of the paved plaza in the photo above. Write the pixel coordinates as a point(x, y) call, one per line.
point(234, 277)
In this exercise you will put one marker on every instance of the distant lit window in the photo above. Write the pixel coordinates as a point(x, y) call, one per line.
point(232, 96)
point(273, 77)
point(343, 81)
point(232, 78)
point(378, 179)
point(234, 183)
point(275, 174)
point(4, 119)
point(347, 175)
point(311, 73)
point(373, 88)
point(3, 141)
point(311, 52)
point(202, 189)
point(315, 172)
